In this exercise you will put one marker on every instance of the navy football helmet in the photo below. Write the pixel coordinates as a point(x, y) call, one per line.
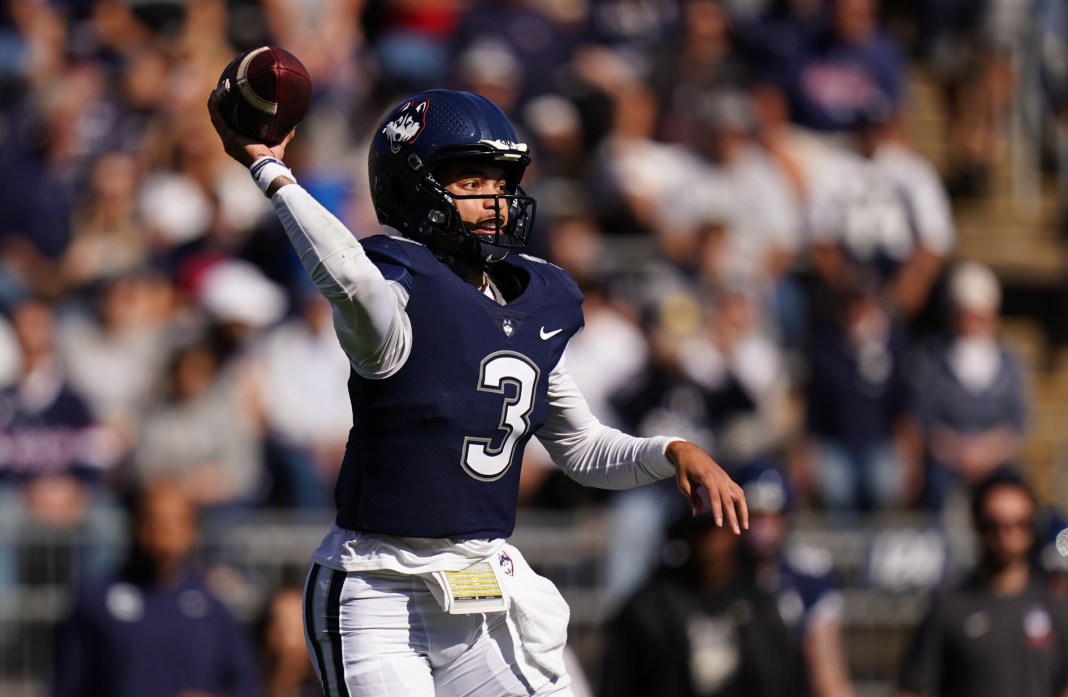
point(420, 134)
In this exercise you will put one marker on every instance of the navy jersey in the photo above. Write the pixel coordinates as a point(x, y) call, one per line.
point(802, 579)
point(435, 449)
point(126, 638)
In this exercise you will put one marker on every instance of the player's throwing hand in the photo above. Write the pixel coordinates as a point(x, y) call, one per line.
point(242, 148)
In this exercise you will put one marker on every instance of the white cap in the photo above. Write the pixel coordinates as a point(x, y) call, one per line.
point(552, 115)
point(975, 288)
point(490, 61)
point(237, 291)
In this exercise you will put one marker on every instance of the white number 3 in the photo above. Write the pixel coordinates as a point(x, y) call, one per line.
point(481, 459)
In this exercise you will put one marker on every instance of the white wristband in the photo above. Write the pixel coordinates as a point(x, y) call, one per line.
point(266, 169)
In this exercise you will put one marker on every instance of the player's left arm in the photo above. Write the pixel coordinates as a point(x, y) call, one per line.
point(826, 659)
point(600, 456)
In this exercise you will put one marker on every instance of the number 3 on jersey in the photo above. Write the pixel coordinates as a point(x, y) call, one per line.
point(481, 459)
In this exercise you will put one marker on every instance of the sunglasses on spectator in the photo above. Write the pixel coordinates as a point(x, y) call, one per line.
point(989, 525)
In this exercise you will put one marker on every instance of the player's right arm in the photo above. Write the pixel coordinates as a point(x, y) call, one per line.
point(369, 315)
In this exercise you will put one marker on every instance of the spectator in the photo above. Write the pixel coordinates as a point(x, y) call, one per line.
point(633, 172)
point(35, 201)
point(154, 629)
point(742, 195)
point(947, 34)
point(698, 626)
point(800, 579)
point(996, 78)
point(829, 61)
point(141, 96)
point(702, 62)
point(859, 453)
point(56, 462)
point(108, 238)
point(830, 81)
point(634, 30)
point(36, 37)
point(881, 213)
point(197, 433)
point(1000, 633)
point(771, 31)
point(300, 376)
point(115, 349)
point(283, 655)
point(739, 349)
point(674, 390)
point(489, 67)
point(968, 391)
point(554, 123)
point(680, 388)
point(770, 37)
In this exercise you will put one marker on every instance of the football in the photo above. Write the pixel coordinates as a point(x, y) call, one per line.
point(264, 93)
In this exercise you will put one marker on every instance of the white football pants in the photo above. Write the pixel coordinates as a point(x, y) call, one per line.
point(382, 634)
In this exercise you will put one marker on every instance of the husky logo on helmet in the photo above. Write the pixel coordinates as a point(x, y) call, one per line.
point(407, 126)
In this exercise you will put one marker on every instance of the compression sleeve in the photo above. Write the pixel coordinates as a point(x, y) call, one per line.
point(369, 315)
point(594, 454)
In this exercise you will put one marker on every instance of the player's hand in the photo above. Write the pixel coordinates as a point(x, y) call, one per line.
point(242, 148)
point(695, 470)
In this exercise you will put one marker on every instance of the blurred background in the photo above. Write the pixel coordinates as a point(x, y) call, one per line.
point(823, 238)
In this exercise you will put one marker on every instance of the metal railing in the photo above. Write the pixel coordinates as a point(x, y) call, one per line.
point(249, 557)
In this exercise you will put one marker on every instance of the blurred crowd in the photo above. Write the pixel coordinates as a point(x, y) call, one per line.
point(769, 265)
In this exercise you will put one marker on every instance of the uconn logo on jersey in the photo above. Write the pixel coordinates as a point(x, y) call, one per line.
point(407, 126)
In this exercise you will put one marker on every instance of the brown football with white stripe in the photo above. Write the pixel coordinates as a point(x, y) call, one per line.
point(264, 93)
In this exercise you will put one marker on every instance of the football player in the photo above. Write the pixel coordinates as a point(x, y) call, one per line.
point(456, 341)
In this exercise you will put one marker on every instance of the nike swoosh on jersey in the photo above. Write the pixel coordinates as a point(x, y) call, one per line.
point(545, 336)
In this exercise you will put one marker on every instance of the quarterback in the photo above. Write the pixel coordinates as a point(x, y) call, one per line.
point(456, 341)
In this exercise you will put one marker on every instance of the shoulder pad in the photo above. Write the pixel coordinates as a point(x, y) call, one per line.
point(539, 260)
